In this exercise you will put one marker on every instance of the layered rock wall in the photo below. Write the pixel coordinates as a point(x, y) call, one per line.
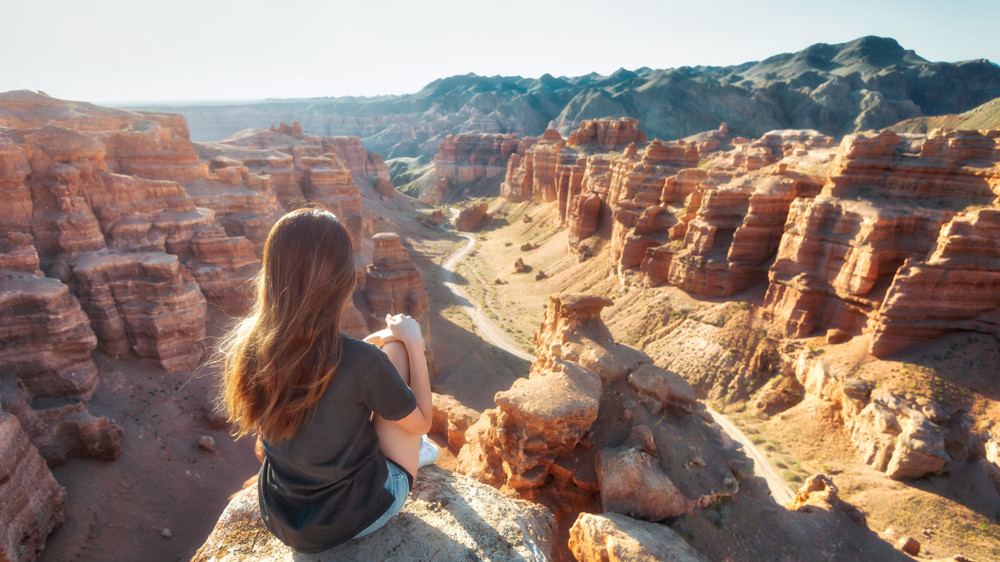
point(893, 212)
point(33, 502)
point(465, 159)
point(849, 237)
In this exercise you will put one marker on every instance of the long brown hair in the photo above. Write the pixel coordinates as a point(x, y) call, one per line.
point(278, 362)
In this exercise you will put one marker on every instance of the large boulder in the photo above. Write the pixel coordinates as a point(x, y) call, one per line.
point(447, 517)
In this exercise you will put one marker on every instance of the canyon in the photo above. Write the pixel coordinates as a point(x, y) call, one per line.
point(827, 281)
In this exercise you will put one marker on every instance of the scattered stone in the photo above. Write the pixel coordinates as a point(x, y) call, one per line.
point(612, 536)
point(206, 442)
point(908, 545)
point(521, 267)
point(540, 275)
point(527, 247)
point(836, 335)
point(498, 281)
point(525, 219)
point(166, 533)
point(508, 244)
point(472, 217)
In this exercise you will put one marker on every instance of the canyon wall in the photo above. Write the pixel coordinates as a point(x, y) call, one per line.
point(119, 234)
point(471, 164)
point(851, 237)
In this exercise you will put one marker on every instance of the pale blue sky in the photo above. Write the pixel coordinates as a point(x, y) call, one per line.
point(116, 50)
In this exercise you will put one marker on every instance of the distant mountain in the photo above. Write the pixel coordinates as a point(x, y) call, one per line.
point(986, 116)
point(868, 83)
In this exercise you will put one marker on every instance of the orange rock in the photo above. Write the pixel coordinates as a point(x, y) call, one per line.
point(34, 503)
point(607, 133)
point(472, 216)
point(466, 158)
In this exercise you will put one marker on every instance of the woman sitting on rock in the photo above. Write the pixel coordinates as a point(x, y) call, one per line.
point(339, 420)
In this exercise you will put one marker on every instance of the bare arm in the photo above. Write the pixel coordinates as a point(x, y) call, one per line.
point(407, 330)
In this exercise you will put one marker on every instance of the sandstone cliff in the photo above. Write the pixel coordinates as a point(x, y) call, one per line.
point(33, 502)
point(471, 164)
point(119, 234)
point(447, 517)
point(848, 238)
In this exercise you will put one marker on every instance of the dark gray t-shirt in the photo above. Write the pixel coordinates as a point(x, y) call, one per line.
point(325, 484)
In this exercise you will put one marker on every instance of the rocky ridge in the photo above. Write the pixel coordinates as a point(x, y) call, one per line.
point(447, 517)
point(837, 89)
point(849, 238)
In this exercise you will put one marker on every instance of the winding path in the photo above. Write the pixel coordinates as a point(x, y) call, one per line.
point(497, 337)
point(487, 328)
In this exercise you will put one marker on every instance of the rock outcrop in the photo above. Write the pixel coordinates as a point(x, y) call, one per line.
point(905, 438)
point(607, 133)
point(33, 502)
point(472, 216)
point(617, 538)
point(467, 160)
point(894, 211)
point(596, 423)
point(447, 517)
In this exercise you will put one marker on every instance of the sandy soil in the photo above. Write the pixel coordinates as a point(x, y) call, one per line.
point(118, 510)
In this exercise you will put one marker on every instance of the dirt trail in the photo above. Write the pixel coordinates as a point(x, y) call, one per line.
point(494, 335)
point(486, 327)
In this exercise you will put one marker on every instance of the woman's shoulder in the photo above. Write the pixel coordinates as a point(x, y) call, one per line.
point(355, 351)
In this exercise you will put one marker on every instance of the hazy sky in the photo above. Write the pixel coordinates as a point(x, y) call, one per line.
point(117, 50)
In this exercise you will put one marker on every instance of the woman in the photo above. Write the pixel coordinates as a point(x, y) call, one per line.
point(340, 420)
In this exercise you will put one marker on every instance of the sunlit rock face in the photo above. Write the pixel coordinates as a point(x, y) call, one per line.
point(472, 162)
point(597, 424)
point(447, 517)
point(851, 237)
point(897, 216)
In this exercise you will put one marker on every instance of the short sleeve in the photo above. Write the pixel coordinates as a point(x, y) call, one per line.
point(383, 390)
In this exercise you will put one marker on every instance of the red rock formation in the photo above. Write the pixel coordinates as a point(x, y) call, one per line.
point(49, 374)
point(533, 175)
point(607, 133)
point(594, 421)
point(146, 303)
point(472, 216)
point(956, 288)
point(33, 502)
point(467, 158)
point(618, 538)
point(885, 204)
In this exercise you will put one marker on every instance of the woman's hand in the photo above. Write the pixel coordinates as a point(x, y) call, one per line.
point(380, 337)
point(405, 329)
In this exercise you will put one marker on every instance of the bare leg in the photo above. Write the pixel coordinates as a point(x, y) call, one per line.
point(396, 443)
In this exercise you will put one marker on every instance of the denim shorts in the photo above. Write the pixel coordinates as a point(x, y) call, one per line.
point(398, 484)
